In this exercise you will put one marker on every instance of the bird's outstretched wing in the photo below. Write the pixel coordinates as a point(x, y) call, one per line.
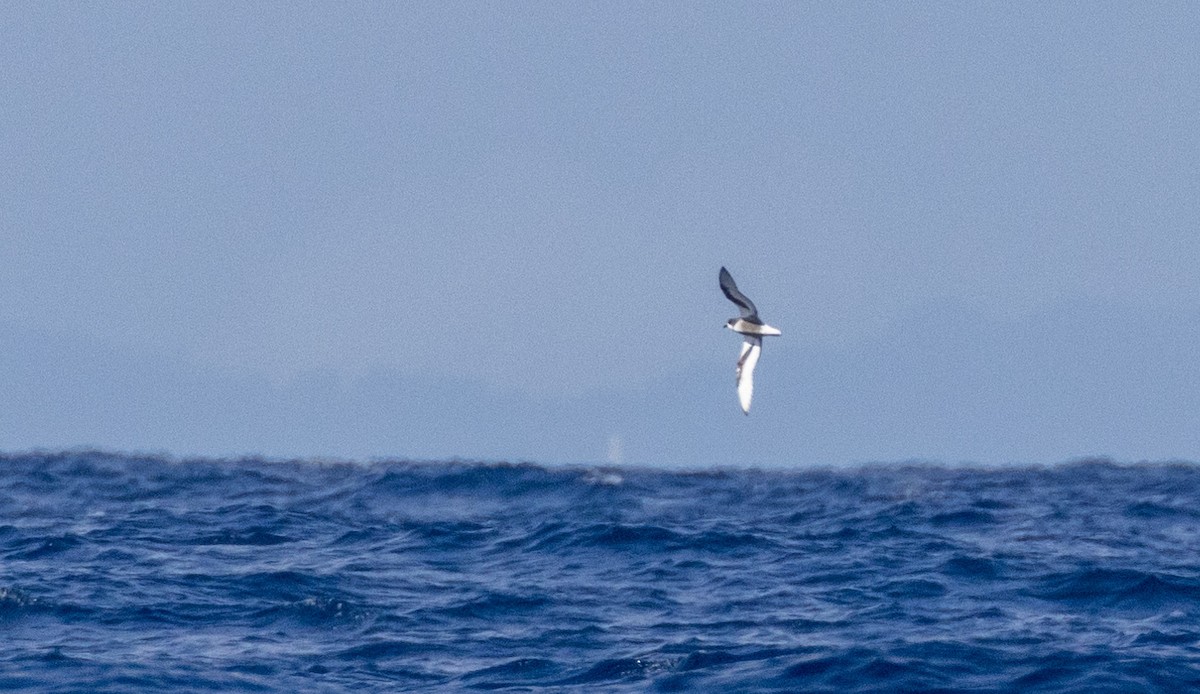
point(751, 348)
point(731, 291)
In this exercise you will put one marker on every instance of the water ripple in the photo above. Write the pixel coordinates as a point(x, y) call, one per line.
point(122, 573)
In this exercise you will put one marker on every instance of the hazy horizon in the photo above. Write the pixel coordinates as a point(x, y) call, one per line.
point(469, 230)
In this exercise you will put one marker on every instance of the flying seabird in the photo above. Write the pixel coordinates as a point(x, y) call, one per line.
point(753, 329)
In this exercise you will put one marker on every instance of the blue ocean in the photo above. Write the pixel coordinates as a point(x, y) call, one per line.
point(127, 573)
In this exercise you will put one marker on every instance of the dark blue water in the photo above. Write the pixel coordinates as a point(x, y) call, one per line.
point(141, 574)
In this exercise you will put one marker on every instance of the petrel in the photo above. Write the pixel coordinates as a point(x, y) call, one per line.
point(753, 329)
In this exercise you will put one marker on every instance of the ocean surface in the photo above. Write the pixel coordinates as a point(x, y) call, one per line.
point(122, 573)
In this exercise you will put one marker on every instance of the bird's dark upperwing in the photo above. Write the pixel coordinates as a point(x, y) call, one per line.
point(731, 291)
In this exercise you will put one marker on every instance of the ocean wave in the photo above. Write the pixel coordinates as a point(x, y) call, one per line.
point(150, 573)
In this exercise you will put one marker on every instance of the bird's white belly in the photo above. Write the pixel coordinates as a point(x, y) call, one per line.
point(747, 328)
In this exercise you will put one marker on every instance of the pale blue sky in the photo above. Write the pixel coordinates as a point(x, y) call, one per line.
point(493, 229)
